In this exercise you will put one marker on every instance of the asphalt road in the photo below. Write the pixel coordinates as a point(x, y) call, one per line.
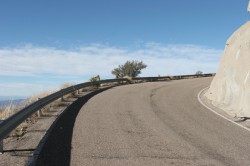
point(158, 123)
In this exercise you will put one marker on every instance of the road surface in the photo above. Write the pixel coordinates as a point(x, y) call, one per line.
point(158, 123)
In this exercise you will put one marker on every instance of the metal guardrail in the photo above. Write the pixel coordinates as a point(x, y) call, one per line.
point(152, 78)
point(11, 123)
point(193, 76)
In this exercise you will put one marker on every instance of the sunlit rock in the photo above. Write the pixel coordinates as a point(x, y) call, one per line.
point(230, 89)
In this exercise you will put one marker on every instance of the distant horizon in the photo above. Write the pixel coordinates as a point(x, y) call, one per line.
point(9, 98)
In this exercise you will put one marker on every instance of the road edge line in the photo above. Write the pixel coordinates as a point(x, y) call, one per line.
point(202, 103)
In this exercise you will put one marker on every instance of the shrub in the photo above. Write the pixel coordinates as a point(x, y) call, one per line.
point(130, 69)
point(199, 73)
point(94, 81)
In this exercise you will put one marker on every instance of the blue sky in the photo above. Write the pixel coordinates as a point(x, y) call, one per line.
point(47, 43)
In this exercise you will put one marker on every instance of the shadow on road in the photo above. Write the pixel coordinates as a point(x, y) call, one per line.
point(57, 148)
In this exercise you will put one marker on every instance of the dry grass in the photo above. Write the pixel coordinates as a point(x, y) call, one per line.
point(66, 85)
point(36, 97)
point(12, 109)
point(8, 111)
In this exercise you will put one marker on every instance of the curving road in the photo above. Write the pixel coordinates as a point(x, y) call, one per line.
point(159, 123)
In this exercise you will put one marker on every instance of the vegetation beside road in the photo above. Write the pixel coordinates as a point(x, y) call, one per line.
point(12, 108)
point(130, 69)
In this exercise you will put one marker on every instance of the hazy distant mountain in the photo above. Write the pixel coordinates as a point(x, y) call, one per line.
point(12, 97)
point(5, 103)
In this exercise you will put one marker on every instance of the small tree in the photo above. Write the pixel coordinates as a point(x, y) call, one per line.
point(94, 81)
point(130, 68)
point(199, 73)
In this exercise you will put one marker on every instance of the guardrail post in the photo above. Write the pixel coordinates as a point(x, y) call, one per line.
point(39, 112)
point(1, 143)
point(1, 146)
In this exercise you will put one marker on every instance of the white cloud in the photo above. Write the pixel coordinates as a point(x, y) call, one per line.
point(101, 59)
point(35, 69)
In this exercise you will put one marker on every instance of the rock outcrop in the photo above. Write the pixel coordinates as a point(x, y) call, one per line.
point(230, 88)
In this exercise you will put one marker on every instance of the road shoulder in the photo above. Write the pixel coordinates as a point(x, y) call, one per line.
point(242, 122)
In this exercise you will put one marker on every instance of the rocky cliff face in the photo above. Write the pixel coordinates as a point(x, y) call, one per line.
point(230, 89)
